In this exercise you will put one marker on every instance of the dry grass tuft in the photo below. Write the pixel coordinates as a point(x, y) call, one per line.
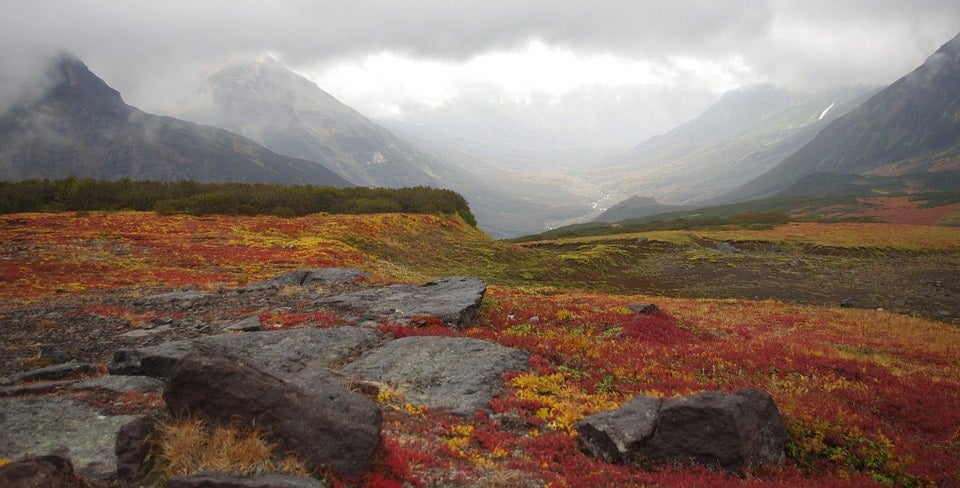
point(189, 446)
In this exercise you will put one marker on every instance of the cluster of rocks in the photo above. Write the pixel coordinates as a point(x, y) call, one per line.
point(298, 388)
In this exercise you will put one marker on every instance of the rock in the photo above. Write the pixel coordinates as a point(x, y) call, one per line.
point(460, 374)
point(249, 324)
point(455, 300)
point(133, 448)
point(51, 373)
point(36, 426)
point(617, 435)
point(643, 308)
point(309, 277)
point(284, 352)
point(121, 384)
point(727, 248)
point(40, 472)
point(731, 431)
point(226, 481)
point(140, 333)
point(36, 388)
point(337, 429)
point(55, 354)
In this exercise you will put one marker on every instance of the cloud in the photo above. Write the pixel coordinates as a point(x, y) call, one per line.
point(148, 50)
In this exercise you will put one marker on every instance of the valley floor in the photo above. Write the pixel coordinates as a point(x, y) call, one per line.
point(868, 395)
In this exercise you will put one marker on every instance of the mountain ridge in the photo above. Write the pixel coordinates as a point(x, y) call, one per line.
point(912, 125)
point(747, 131)
point(82, 127)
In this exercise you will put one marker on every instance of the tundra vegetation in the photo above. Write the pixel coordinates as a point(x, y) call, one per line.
point(869, 396)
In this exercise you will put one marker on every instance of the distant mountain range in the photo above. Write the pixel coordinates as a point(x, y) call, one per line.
point(747, 132)
point(82, 127)
point(291, 115)
point(909, 131)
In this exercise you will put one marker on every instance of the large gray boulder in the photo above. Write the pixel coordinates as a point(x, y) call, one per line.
point(286, 352)
point(44, 425)
point(454, 300)
point(330, 429)
point(460, 374)
point(729, 431)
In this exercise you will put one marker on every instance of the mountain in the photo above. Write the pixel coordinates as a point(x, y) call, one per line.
point(82, 127)
point(636, 207)
point(544, 132)
point(908, 130)
point(747, 132)
point(289, 114)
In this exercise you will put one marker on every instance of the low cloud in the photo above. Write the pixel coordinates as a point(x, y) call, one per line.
point(150, 51)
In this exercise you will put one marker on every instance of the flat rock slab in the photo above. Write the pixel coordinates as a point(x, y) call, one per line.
point(41, 426)
point(460, 374)
point(455, 300)
point(286, 352)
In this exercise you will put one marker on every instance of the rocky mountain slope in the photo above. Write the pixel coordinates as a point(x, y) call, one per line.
point(82, 127)
point(910, 128)
point(291, 115)
point(746, 133)
point(263, 100)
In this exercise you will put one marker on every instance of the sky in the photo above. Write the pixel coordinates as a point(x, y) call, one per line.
point(383, 55)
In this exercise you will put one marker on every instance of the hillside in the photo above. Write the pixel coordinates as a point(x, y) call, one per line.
point(909, 129)
point(867, 395)
point(291, 115)
point(747, 132)
point(81, 127)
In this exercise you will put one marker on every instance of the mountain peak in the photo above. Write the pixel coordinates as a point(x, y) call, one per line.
point(76, 86)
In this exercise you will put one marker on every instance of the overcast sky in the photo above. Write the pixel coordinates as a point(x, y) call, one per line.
point(381, 54)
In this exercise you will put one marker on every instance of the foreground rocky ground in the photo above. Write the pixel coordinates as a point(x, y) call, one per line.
point(99, 310)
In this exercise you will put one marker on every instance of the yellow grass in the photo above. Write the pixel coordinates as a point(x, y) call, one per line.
point(189, 446)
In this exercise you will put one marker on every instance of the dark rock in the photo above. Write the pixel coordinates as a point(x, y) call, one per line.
point(715, 429)
point(133, 448)
point(226, 481)
point(618, 435)
point(33, 426)
point(460, 374)
point(643, 308)
point(36, 388)
point(55, 354)
point(285, 352)
point(249, 324)
point(309, 277)
point(455, 300)
point(40, 472)
point(51, 373)
point(338, 429)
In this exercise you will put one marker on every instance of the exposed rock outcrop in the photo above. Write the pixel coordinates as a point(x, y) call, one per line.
point(459, 374)
point(44, 425)
point(333, 429)
point(281, 352)
point(455, 300)
point(730, 431)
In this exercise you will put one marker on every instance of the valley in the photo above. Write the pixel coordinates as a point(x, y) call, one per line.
point(794, 308)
